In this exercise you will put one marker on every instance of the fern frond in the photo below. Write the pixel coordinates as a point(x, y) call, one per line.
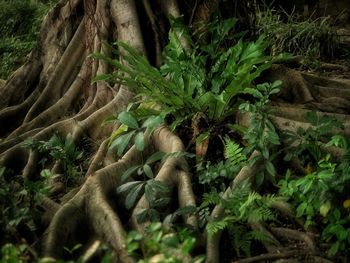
point(211, 198)
point(214, 226)
point(241, 241)
point(234, 152)
point(259, 235)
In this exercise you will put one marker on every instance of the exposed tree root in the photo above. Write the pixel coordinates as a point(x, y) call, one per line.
point(57, 95)
point(277, 255)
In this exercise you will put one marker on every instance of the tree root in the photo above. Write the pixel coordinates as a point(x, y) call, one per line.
point(278, 255)
point(294, 235)
point(58, 96)
point(213, 241)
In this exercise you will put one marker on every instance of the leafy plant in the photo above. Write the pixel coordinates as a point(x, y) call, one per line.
point(316, 197)
point(18, 205)
point(198, 79)
point(59, 149)
point(214, 174)
point(261, 134)
point(241, 206)
point(132, 128)
point(305, 142)
point(14, 254)
point(20, 21)
point(161, 244)
point(153, 189)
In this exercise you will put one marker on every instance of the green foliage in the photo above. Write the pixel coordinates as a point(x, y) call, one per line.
point(241, 206)
point(14, 254)
point(322, 196)
point(161, 244)
point(59, 149)
point(261, 134)
point(314, 38)
point(131, 128)
point(18, 204)
point(155, 191)
point(305, 142)
point(198, 79)
point(215, 174)
point(19, 23)
point(242, 238)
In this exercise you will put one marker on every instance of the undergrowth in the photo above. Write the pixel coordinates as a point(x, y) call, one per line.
point(20, 22)
point(312, 37)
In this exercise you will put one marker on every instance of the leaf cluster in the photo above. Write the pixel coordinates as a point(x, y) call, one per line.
point(58, 149)
point(241, 206)
point(161, 244)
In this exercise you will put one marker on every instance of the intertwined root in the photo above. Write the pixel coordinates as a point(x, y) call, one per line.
point(93, 204)
point(53, 92)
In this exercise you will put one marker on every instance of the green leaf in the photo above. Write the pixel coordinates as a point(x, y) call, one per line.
point(122, 142)
point(254, 92)
point(2, 171)
point(188, 245)
point(127, 186)
point(148, 171)
point(46, 173)
point(127, 119)
point(301, 209)
point(334, 248)
point(159, 186)
point(140, 141)
point(325, 207)
point(157, 156)
point(186, 210)
point(307, 186)
point(129, 172)
point(270, 168)
point(259, 178)
point(134, 193)
point(153, 122)
point(121, 129)
point(102, 77)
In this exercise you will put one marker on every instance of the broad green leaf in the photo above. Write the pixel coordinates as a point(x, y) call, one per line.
point(188, 245)
point(127, 119)
point(161, 202)
point(325, 207)
point(159, 186)
point(334, 248)
point(148, 171)
point(307, 186)
point(122, 142)
point(140, 141)
point(150, 194)
point(121, 129)
point(133, 194)
point(127, 186)
point(270, 168)
point(301, 209)
point(129, 172)
point(254, 92)
point(157, 156)
point(153, 122)
point(46, 173)
point(110, 119)
point(171, 240)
